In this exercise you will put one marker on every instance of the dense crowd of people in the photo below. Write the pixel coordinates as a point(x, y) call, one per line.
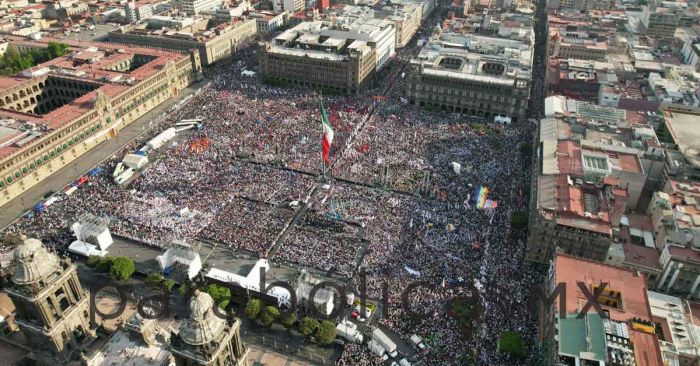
point(398, 202)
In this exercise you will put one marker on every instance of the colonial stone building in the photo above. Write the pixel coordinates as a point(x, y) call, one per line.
point(476, 75)
point(213, 41)
point(207, 338)
point(314, 55)
point(56, 111)
point(52, 309)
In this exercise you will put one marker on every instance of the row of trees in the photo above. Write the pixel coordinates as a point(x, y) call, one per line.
point(13, 61)
point(322, 332)
point(157, 279)
point(119, 268)
point(122, 268)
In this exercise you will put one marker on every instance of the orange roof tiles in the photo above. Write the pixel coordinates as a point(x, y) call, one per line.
point(8, 82)
point(632, 286)
point(569, 157)
point(92, 73)
point(634, 300)
point(586, 223)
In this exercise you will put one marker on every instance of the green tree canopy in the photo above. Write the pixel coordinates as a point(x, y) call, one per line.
point(122, 268)
point(526, 149)
point(287, 319)
point(154, 278)
point(169, 284)
point(220, 294)
point(13, 61)
point(183, 289)
point(326, 332)
point(511, 343)
point(253, 308)
point(104, 264)
point(308, 325)
point(93, 260)
point(55, 49)
point(269, 315)
point(518, 220)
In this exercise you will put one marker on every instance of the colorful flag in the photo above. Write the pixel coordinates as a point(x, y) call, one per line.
point(327, 134)
point(482, 194)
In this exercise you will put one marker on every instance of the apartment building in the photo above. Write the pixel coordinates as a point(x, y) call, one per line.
point(678, 325)
point(292, 6)
point(267, 21)
point(590, 175)
point(659, 21)
point(407, 19)
point(576, 48)
point(623, 334)
point(195, 7)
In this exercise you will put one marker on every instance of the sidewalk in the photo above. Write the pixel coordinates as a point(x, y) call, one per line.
point(24, 202)
point(263, 356)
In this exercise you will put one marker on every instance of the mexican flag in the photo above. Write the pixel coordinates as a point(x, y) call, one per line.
point(327, 134)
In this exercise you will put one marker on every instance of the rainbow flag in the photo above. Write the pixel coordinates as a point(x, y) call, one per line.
point(482, 194)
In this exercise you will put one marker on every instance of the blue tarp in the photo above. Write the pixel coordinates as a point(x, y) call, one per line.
point(140, 153)
point(39, 207)
point(95, 171)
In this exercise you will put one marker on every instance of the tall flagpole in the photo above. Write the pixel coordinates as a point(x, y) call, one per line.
point(320, 113)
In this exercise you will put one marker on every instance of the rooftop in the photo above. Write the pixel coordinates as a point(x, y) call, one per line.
point(683, 128)
point(320, 39)
point(199, 30)
point(473, 57)
point(676, 328)
point(630, 285)
point(624, 298)
point(121, 349)
point(90, 63)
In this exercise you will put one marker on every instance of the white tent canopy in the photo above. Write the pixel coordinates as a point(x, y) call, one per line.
point(135, 161)
point(180, 253)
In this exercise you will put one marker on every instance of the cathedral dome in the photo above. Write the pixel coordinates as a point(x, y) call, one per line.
point(203, 325)
point(33, 262)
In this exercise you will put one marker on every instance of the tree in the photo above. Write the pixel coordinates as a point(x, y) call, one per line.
point(326, 332)
point(104, 264)
point(122, 268)
point(663, 134)
point(511, 343)
point(269, 315)
point(518, 220)
point(154, 278)
point(55, 49)
point(525, 149)
point(168, 284)
point(288, 319)
point(219, 294)
point(308, 325)
point(93, 261)
point(183, 289)
point(253, 308)
point(13, 61)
